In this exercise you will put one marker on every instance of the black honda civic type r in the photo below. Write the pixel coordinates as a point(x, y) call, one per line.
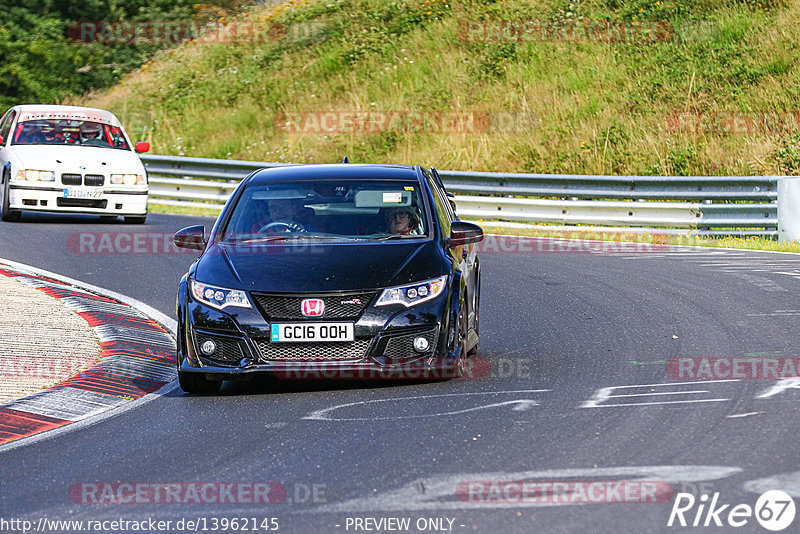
point(346, 270)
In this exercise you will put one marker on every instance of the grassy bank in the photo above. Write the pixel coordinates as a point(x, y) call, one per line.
point(560, 101)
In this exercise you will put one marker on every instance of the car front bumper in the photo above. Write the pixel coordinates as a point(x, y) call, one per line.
point(112, 201)
point(384, 345)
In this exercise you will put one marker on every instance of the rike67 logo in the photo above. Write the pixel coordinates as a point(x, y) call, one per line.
point(774, 510)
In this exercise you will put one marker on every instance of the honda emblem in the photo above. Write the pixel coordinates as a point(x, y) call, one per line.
point(313, 307)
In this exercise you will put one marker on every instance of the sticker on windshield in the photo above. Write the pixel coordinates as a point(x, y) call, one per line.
point(392, 197)
point(408, 188)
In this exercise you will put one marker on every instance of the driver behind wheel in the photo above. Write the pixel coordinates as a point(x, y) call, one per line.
point(285, 215)
point(90, 133)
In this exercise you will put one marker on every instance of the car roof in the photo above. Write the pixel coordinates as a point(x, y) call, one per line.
point(35, 111)
point(334, 171)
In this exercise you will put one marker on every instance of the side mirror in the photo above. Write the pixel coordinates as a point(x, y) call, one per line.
point(190, 237)
point(142, 146)
point(464, 233)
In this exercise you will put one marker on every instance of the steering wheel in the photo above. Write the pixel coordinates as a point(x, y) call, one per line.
point(286, 227)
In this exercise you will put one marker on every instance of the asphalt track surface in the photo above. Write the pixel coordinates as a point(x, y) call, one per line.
point(556, 329)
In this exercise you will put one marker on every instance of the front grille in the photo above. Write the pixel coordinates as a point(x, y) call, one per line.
point(81, 203)
point(71, 179)
point(339, 306)
point(94, 179)
point(229, 350)
point(403, 346)
point(311, 352)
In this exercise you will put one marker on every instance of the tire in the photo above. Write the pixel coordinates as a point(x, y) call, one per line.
point(6, 213)
point(135, 219)
point(197, 383)
point(462, 336)
point(474, 350)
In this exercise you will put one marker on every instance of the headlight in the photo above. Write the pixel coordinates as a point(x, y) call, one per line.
point(128, 179)
point(32, 175)
point(412, 294)
point(219, 297)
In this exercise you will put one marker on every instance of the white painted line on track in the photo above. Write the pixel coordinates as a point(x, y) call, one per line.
point(788, 482)
point(779, 387)
point(603, 394)
point(519, 405)
point(85, 423)
point(440, 490)
point(170, 324)
point(68, 403)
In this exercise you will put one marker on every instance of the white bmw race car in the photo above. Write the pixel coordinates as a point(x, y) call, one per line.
point(70, 159)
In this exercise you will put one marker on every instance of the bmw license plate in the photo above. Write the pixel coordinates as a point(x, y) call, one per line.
point(82, 193)
point(285, 332)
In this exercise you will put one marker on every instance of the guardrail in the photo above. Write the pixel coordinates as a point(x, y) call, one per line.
point(713, 205)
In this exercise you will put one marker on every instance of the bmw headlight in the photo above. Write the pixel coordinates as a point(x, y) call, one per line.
point(128, 179)
point(219, 297)
point(32, 175)
point(412, 294)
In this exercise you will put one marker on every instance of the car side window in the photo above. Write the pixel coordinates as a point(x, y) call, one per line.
point(5, 125)
point(441, 211)
point(450, 202)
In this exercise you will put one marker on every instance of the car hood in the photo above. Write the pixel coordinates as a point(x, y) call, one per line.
point(301, 268)
point(69, 159)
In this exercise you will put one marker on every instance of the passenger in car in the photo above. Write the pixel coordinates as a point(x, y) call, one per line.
point(402, 220)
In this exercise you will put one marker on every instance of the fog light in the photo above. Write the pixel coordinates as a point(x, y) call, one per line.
point(208, 347)
point(421, 344)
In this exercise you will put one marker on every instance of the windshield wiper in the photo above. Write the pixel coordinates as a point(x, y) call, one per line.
point(263, 239)
point(394, 236)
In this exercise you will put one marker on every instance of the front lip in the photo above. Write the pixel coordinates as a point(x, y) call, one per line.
point(27, 186)
point(423, 367)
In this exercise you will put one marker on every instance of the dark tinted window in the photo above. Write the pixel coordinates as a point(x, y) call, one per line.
point(328, 209)
point(5, 127)
point(69, 132)
point(441, 205)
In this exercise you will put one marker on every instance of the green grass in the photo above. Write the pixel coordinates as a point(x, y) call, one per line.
point(752, 243)
point(183, 210)
point(587, 107)
point(584, 107)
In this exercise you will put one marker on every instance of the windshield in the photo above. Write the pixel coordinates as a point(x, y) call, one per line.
point(69, 132)
point(328, 209)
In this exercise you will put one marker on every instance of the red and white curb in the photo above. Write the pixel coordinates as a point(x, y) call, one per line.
point(137, 358)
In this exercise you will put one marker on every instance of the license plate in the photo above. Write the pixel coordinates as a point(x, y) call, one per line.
point(82, 193)
point(287, 332)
